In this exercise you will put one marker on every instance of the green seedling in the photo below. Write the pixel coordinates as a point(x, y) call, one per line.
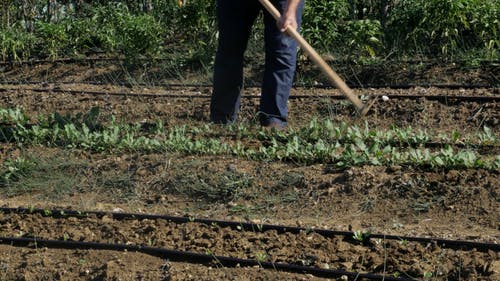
point(261, 257)
point(361, 237)
point(403, 242)
point(344, 146)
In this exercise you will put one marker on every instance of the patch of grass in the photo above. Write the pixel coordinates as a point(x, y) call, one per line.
point(211, 187)
point(117, 185)
point(247, 210)
point(287, 190)
point(259, 200)
point(367, 205)
point(48, 176)
point(282, 198)
point(292, 179)
point(14, 169)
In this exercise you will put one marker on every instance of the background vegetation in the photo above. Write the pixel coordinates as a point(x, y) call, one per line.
point(185, 30)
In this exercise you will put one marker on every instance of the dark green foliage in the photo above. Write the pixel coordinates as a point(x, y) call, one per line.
point(363, 36)
point(89, 119)
point(15, 44)
point(197, 24)
point(444, 26)
point(52, 38)
point(187, 32)
point(322, 20)
point(197, 17)
point(111, 28)
point(132, 35)
point(345, 27)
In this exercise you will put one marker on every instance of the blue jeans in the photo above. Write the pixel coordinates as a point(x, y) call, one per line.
point(235, 20)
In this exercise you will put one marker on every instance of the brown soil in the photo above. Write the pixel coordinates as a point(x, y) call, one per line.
point(416, 72)
point(419, 114)
point(453, 204)
point(308, 249)
point(60, 264)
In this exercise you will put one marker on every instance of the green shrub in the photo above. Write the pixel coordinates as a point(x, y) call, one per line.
point(139, 35)
point(167, 13)
point(485, 24)
point(340, 27)
point(363, 36)
point(197, 24)
point(131, 35)
point(444, 26)
point(52, 38)
point(197, 18)
point(16, 44)
point(321, 20)
point(82, 35)
point(110, 28)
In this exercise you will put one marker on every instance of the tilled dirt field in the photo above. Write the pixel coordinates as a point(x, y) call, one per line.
point(61, 264)
point(311, 249)
point(400, 200)
point(438, 116)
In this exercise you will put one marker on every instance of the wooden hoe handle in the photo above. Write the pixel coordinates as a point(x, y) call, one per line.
point(327, 70)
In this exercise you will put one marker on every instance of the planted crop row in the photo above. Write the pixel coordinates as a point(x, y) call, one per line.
point(317, 130)
point(341, 145)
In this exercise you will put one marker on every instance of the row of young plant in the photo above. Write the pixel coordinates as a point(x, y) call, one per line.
point(282, 146)
point(343, 133)
point(379, 28)
point(316, 130)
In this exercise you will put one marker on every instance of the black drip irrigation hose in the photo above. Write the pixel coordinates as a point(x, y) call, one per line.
point(61, 60)
point(447, 98)
point(244, 226)
point(197, 258)
point(441, 98)
point(254, 85)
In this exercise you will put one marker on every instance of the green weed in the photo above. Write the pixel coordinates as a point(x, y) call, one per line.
point(48, 177)
point(226, 187)
point(119, 186)
point(361, 236)
point(15, 169)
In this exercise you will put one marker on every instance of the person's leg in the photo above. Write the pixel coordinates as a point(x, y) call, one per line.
point(235, 20)
point(281, 57)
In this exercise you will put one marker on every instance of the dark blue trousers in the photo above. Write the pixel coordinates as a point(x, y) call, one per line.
point(235, 20)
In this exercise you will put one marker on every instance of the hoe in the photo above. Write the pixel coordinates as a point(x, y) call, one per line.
point(361, 107)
